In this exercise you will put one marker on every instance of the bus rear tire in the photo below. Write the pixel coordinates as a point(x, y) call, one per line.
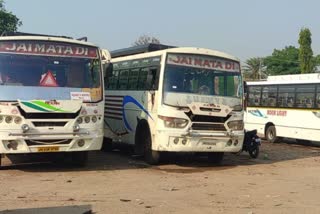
point(215, 157)
point(271, 134)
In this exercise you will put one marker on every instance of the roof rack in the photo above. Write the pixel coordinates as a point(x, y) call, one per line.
point(31, 34)
point(139, 49)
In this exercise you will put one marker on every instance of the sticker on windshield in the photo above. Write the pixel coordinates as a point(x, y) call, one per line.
point(85, 96)
point(48, 80)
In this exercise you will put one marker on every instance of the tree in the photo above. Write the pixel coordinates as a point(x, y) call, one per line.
point(8, 21)
point(305, 52)
point(145, 39)
point(285, 61)
point(254, 69)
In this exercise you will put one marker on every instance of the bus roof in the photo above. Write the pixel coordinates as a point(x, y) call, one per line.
point(172, 49)
point(46, 38)
point(288, 79)
point(139, 49)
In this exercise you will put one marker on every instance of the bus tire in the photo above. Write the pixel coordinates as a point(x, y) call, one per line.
point(79, 158)
point(271, 134)
point(215, 157)
point(150, 156)
point(107, 145)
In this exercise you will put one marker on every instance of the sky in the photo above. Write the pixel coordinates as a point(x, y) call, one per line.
point(243, 28)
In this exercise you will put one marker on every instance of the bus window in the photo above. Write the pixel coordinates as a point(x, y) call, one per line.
point(112, 79)
point(254, 95)
point(318, 97)
point(123, 80)
point(305, 96)
point(133, 79)
point(286, 96)
point(269, 96)
point(143, 75)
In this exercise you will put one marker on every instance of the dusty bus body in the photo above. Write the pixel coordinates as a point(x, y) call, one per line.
point(174, 100)
point(51, 96)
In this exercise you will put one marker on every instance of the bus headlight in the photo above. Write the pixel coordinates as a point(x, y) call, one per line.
point(173, 122)
point(87, 119)
point(236, 125)
point(17, 120)
point(79, 120)
point(8, 119)
point(94, 119)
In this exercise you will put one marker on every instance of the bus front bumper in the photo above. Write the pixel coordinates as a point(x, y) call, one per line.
point(16, 143)
point(198, 141)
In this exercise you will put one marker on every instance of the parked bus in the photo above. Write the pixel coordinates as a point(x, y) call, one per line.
point(51, 96)
point(166, 99)
point(285, 106)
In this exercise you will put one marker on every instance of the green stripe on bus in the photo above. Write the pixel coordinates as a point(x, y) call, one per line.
point(47, 106)
point(36, 107)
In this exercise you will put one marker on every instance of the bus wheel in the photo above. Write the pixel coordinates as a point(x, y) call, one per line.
point(79, 158)
point(107, 145)
point(215, 157)
point(271, 134)
point(151, 157)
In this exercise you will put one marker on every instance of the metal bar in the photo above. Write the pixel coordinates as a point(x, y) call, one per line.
point(49, 133)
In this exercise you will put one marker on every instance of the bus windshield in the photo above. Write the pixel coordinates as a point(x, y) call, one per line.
point(58, 68)
point(26, 70)
point(182, 79)
point(181, 76)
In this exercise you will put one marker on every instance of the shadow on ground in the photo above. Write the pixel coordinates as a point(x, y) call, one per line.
point(124, 159)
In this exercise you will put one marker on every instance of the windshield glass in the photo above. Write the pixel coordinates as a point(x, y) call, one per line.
point(56, 66)
point(200, 75)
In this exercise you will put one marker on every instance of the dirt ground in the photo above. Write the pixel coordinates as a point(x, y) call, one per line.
point(284, 179)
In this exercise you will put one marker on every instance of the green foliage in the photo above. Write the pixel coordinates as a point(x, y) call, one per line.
point(305, 52)
point(8, 21)
point(254, 69)
point(281, 62)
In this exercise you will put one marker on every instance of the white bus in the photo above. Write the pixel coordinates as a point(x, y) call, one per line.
point(285, 106)
point(174, 100)
point(51, 96)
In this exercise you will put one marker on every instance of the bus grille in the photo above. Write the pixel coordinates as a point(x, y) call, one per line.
point(47, 123)
point(209, 126)
point(48, 142)
point(48, 115)
point(205, 118)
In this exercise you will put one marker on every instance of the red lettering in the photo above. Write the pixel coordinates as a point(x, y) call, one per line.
point(206, 63)
point(228, 65)
point(184, 60)
point(197, 61)
point(177, 60)
point(219, 64)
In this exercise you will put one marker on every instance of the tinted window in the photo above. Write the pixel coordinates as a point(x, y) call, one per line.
point(254, 95)
point(286, 96)
point(269, 96)
point(305, 96)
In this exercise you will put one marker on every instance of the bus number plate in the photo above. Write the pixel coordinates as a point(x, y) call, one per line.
point(48, 149)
